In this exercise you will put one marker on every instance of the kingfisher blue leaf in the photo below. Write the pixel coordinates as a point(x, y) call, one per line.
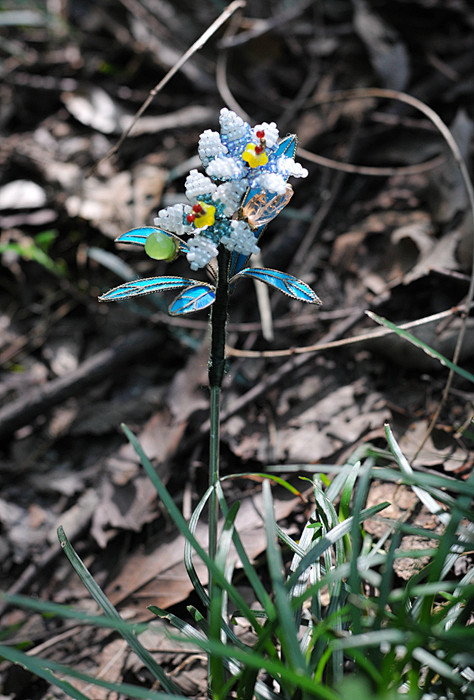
point(289, 285)
point(145, 286)
point(138, 236)
point(194, 298)
point(237, 262)
point(287, 146)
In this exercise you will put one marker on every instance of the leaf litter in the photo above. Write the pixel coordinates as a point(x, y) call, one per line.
point(401, 245)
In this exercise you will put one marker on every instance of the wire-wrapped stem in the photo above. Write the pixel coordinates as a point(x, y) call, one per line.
point(216, 375)
point(219, 321)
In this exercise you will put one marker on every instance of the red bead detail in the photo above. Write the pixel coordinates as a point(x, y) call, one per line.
point(260, 134)
point(258, 149)
point(197, 209)
point(190, 218)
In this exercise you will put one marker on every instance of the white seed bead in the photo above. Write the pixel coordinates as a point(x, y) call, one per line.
point(271, 133)
point(210, 146)
point(232, 126)
point(230, 194)
point(226, 168)
point(172, 219)
point(201, 251)
point(287, 166)
point(197, 185)
point(271, 182)
point(240, 239)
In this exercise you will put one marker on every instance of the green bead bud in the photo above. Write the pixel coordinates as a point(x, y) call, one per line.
point(159, 246)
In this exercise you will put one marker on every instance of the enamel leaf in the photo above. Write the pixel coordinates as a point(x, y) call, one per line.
point(287, 146)
point(289, 285)
point(138, 236)
point(145, 286)
point(194, 298)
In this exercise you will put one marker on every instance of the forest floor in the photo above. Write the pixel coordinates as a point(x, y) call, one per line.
point(391, 233)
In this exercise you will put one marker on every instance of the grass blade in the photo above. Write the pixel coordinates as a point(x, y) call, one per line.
point(182, 526)
point(188, 550)
point(44, 668)
point(104, 603)
point(289, 638)
point(331, 537)
point(35, 666)
point(420, 344)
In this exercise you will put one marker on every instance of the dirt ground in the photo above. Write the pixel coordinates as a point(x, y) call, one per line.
point(381, 223)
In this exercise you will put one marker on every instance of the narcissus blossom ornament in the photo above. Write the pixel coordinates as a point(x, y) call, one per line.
point(208, 220)
point(247, 154)
point(244, 189)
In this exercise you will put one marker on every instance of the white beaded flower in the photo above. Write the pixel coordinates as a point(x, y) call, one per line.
point(244, 188)
point(230, 193)
point(239, 157)
point(249, 155)
point(271, 133)
point(271, 182)
point(226, 168)
point(287, 166)
point(209, 219)
point(233, 127)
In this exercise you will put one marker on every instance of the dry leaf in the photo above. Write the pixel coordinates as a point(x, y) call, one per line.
point(387, 52)
point(159, 577)
point(22, 194)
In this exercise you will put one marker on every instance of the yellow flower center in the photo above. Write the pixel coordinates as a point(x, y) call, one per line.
point(253, 158)
point(206, 217)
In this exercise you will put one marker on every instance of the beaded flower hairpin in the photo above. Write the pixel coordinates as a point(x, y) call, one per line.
point(252, 167)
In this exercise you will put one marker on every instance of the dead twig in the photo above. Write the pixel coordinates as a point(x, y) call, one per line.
point(285, 370)
point(343, 342)
point(373, 171)
point(221, 79)
point(25, 409)
point(83, 512)
point(265, 25)
point(223, 17)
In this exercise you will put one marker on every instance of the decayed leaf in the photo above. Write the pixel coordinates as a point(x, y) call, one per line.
point(27, 529)
point(159, 576)
point(104, 416)
point(403, 503)
point(110, 665)
point(448, 195)
point(22, 194)
point(188, 391)
point(93, 107)
point(63, 353)
point(387, 52)
point(320, 419)
point(411, 242)
point(121, 202)
point(441, 448)
point(441, 255)
point(127, 501)
point(126, 507)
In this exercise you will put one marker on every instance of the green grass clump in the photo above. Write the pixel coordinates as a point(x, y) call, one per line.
point(333, 622)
